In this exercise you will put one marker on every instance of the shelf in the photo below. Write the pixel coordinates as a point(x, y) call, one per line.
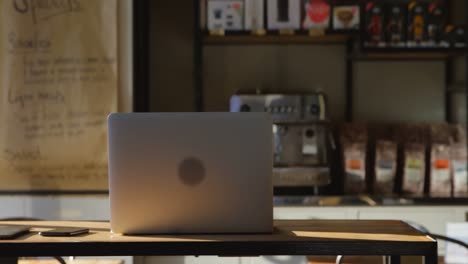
point(409, 53)
point(275, 40)
point(449, 50)
point(403, 56)
point(417, 53)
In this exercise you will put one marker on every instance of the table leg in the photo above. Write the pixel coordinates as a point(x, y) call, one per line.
point(431, 258)
point(395, 259)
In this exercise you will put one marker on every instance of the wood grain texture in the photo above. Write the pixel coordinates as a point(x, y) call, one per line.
point(286, 231)
point(290, 237)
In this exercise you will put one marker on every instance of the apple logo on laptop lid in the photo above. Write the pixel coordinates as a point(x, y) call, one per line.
point(191, 171)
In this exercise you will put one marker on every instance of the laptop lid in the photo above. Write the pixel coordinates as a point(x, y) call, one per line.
point(190, 172)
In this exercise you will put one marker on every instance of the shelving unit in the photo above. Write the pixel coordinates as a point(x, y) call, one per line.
point(348, 40)
point(352, 56)
point(354, 53)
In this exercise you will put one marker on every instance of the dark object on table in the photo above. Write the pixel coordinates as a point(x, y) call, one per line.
point(65, 231)
point(11, 232)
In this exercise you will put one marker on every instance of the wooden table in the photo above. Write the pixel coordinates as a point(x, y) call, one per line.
point(290, 237)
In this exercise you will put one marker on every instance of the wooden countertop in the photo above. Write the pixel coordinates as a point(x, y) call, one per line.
point(290, 237)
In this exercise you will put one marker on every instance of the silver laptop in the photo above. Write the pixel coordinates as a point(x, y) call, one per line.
point(190, 173)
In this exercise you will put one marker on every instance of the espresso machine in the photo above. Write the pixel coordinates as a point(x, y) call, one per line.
point(301, 133)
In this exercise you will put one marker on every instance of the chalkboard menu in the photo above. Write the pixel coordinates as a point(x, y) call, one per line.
point(58, 83)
